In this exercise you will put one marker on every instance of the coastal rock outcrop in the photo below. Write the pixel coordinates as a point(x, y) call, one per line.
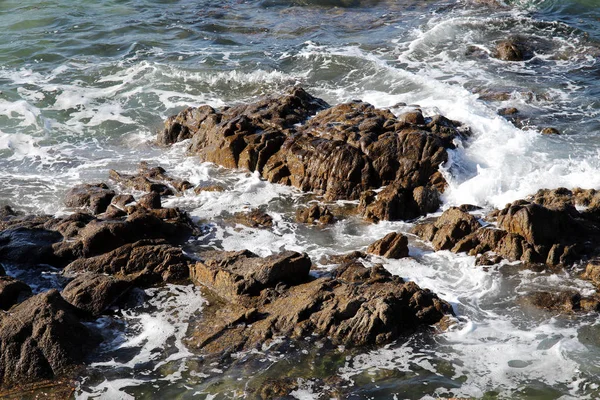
point(276, 296)
point(94, 293)
point(143, 262)
point(93, 197)
point(151, 179)
point(42, 338)
point(341, 152)
point(554, 227)
point(315, 214)
point(393, 245)
point(255, 219)
point(12, 291)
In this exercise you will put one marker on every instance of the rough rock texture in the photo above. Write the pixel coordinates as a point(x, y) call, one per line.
point(393, 245)
point(151, 179)
point(94, 293)
point(42, 338)
point(315, 214)
point(547, 228)
point(452, 226)
point(231, 274)
point(395, 202)
point(509, 50)
point(144, 262)
point(339, 153)
point(12, 291)
point(354, 306)
point(101, 236)
point(563, 301)
point(95, 198)
point(28, 245)
point(254, 219)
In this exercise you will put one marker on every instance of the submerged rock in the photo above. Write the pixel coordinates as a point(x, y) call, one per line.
point(42, 338)
point(510, 50)
point(254, 219)
point(354, 306)
point(340, 153)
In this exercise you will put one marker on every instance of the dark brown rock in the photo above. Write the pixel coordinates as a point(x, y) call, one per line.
point(508, 111)
point(509, 50)
point(567, 301)
point(94, 293)
point(182, 126)
point(28, 246)
point(550, 131)
point(592, 272)
point(339, 153)
point(393, 245)
point(254, 219)
point(548, 228)
point(7, 211)
point(232, 274)
point(351, 257)
point(395, 202)
point(41, 338)
point(151, 179)
point(94, 198)
point(208, 188)
point(150, 201)
point(144, 262)
point(356, 306)
point(315, 214)
point(101, 236)
point(12, 291)
point(449, 229)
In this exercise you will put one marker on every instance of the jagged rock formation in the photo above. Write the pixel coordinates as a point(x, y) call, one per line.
point(341, 152)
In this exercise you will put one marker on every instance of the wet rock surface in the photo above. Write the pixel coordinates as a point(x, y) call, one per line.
point(113, 244)
point(547, 228)
point(95, 198)
point(94, 293)
point(255, 219)
point(315, 214)
point(354, 306)
point(42, 338)
point(144, 262)
point(393, 245)
point(12, 291)
point(151, 179)
point(339, 153)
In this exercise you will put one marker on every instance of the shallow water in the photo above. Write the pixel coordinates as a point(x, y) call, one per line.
point(85, 86)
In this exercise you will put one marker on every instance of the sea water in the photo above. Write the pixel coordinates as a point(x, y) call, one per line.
point(85, 86)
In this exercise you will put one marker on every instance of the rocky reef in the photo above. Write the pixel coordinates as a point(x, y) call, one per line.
point(339, 152)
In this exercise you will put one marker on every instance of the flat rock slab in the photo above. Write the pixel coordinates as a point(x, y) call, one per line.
point(144, 262)
point(231, 274)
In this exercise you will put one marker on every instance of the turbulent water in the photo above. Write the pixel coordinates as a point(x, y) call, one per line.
point(85, 86)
